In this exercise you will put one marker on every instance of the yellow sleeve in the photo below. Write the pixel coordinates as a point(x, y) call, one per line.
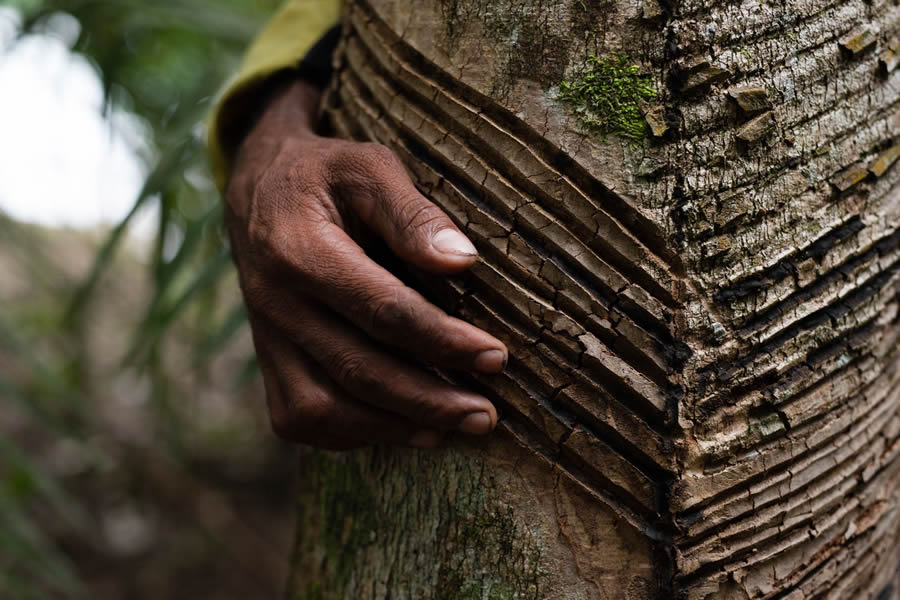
point(282, 44)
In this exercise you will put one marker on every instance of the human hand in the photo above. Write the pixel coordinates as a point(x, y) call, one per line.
point(329, 324)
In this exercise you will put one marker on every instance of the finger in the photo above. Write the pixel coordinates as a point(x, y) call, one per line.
point(306, 407)
point(332, 268)
point(374, 184)
point(377, 378)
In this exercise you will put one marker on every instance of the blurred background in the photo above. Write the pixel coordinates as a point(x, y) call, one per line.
point(135, 453)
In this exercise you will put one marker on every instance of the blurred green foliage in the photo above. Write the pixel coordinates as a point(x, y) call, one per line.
point(162, 61)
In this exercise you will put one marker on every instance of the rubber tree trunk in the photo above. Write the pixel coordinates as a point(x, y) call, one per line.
point(688, 220)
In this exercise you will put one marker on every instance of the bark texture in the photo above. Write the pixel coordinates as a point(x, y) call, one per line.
point(703, 396)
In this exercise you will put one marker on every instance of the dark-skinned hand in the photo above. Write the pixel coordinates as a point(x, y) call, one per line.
point(331, 326)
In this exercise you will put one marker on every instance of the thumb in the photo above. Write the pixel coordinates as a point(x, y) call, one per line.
point(415, 229)
point(420, 233)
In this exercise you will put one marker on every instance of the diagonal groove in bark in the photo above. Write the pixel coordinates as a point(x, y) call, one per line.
point(885, 248)
point(524, 187)
point(756, 549)
point(642, 229)
point(826, 315)
point(647, 314)
point(767, 471)
point(473, 197)
point(805, 470)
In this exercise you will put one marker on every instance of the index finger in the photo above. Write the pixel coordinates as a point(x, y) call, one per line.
point(335, 270)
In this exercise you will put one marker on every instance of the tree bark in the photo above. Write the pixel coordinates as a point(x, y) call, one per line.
point(703, 395)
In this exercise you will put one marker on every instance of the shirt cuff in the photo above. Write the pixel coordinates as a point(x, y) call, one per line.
point(299, 28)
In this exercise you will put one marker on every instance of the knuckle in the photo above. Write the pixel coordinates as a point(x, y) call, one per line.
point(423, 409)
point(379, 154)
point(261, 294)
point(353, 368)
point(278, 249)
point(420, 409)
point(283, 206)
point(368, 165)
point(386, 312)
point(268, 242)
point(415, 213)
point(303, 418)
point(394, 314)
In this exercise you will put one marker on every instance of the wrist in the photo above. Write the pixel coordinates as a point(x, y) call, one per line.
point(288, 106)
point(288, 112)
point(292, 108)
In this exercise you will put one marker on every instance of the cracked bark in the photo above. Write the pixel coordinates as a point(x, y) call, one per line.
point(703, 396)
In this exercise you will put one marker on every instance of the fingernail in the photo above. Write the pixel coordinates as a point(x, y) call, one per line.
point(490, 361)
point(476, 424)
point(425, 439)
point(450, 241)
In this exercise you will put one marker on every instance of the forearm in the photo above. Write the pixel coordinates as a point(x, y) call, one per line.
point(277, 54)
point(288, 108)
point(289, 111)
point(289, 100)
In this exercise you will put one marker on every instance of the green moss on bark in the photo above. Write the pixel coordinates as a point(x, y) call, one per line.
point(607, 95)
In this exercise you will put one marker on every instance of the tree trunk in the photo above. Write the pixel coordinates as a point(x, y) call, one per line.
point(696, 265)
